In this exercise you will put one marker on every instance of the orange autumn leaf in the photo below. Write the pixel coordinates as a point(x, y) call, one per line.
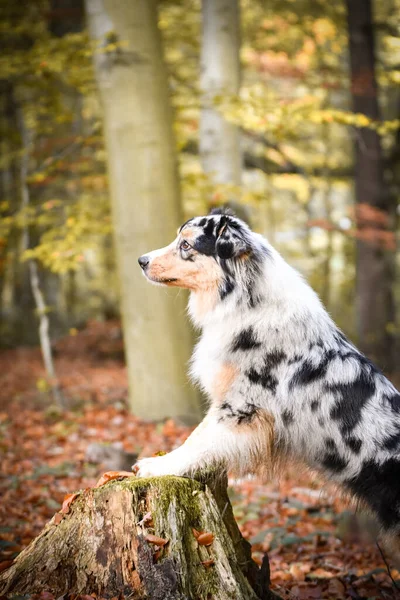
point(321, 574)
point(58, 517)
point(208, 563)
point(68, 500)
point(205, 539)
point(154, 539)
point(111, 475)
point(296, 572)
point(147, 520)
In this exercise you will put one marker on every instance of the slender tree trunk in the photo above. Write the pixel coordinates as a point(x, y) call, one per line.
point(41, 308)
point(145, 198)
point(44, 335)
point(375, 266)
point(220, 150)
point(139, 538)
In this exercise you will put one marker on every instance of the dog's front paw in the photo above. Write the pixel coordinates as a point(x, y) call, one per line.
point(157, 466)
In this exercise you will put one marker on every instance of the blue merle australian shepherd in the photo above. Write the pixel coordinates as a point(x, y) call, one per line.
point(282, 379)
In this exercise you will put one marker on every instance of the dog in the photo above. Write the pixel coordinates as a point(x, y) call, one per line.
point(283, 381)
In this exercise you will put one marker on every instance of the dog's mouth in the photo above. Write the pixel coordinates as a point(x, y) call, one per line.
point(161, 280)
point(169, 280)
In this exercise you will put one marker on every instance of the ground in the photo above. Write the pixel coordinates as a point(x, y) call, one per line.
point(307, 529)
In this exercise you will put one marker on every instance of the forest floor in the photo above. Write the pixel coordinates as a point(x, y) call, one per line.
point(315, 547)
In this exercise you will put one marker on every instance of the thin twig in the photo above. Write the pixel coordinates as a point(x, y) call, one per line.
point(387, 567)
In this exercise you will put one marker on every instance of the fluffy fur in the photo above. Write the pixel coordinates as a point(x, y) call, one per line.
point(282, 379)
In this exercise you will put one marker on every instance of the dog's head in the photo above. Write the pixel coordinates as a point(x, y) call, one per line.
point(205, 254)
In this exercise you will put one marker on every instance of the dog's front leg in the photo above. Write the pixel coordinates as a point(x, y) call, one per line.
point(208, 444)
point(221, 442)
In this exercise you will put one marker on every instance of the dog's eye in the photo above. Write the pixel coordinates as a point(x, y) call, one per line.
point(184, 245)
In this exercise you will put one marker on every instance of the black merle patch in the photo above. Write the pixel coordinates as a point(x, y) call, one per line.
point(330, 445)
point(296, 358)
point(355, 444)
point(209, 227)
point(205, 244)
point(226, 288)
point(240, 415)
point(274, 359)
point(315, 404)
point(264, 377)
point(254, 299)
point(245, 340)
point(392, 441)
point(228, 284)
point(308, 373)
point(350, 400)
point(334, 462)
point(287, 417)
point(394, 401)
point(379, 486)
point(225, 249)
point(364, 362)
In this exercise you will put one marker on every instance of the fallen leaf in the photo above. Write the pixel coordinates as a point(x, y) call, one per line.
point(336, 588)
point(110, 475)
point(208, 563)
point(205, 539)
point(68, 500)
point(147, 520)
point(154, 539)
point(311, 592)
point(58, 517)
point(296, 572)
point(320, 574)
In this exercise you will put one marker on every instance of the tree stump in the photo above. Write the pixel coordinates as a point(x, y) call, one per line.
point(161, 538)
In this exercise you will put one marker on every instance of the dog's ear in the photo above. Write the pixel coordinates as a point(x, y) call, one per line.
point(222, 210)
point(231, 239)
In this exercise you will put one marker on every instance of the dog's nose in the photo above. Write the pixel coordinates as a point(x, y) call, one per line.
point(143, 261)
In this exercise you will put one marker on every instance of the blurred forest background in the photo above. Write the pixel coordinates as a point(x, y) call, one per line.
point(118, 120)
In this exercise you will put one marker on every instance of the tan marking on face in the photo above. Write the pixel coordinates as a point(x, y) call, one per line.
point(223, 381)
point(190, 233)
point(201, 274)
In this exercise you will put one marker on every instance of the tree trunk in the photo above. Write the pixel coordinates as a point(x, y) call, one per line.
point(145, 199)
point(140, 538)
point(220, 151)
point(375, 265)
point(40, 304)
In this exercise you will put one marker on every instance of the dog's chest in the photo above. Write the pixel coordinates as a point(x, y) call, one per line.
point(208, 357)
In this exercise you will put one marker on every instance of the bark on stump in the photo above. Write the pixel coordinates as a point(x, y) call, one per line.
point(106, 545)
